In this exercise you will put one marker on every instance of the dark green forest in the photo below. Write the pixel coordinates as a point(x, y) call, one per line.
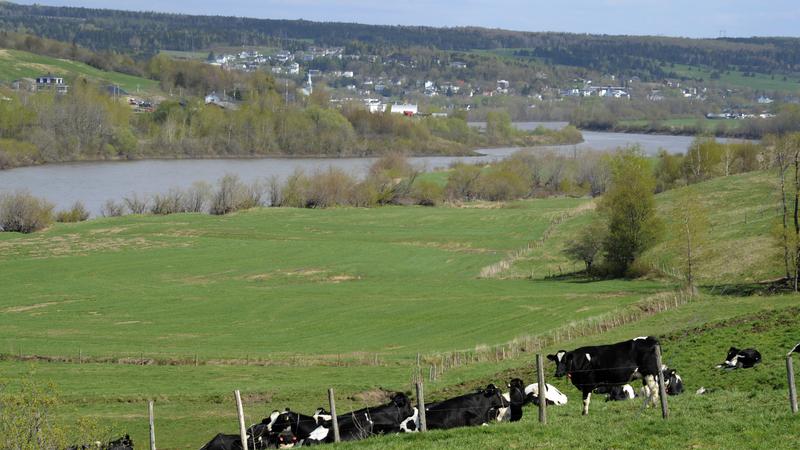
point(145, 33)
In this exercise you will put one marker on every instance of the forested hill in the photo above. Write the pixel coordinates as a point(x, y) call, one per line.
point(147, 32)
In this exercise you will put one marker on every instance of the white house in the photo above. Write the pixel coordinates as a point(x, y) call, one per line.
point(407, 109)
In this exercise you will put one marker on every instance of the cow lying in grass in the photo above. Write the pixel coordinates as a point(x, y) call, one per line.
point(610, 365)
point(123, 443)
point(479, 408)
point(741, 359)
point(551, 394)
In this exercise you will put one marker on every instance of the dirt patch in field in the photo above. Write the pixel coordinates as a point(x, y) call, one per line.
point(312, 275)
point(458, 247)
point(40, 247)
point(372, 396)
point(341, 278)
point(482, 205)
point(112, 230)
point(18, 309)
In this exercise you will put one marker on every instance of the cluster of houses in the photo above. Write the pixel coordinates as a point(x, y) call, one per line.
point(281, 62)
point(597, 91)
point(44, 83)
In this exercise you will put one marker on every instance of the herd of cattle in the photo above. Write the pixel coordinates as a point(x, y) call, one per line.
point(602, 369)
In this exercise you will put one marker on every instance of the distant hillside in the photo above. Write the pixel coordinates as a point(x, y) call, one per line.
point(648, 57)
point(742, 210)
point(15, 64)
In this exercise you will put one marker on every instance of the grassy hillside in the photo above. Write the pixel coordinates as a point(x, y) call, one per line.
point(742, 211)
point(194, 284)
point(743, 409)
point(758, 82)
point(284, 303)
point(15, 64)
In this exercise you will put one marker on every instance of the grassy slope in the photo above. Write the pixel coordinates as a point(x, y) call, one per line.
point(15, 64)
point(193, 403)
point(274, 282)
point(744, 409)
point(742, 210)
point(761, 82)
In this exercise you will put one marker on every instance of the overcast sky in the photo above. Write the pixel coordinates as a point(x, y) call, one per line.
point(692, 18)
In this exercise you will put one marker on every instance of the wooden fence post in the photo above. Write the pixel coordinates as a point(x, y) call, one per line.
point(542, 389)
point(333, 416)
point(423, 422)
point(792, 385)
point(240, 413)
point(662, 390)
point(152, 426)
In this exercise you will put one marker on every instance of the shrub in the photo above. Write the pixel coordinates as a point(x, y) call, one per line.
point(233, 195)
point(169, 203)
point(463, 182)
point(77, 213)
point(24, 213)
point(393, 165)
point(293, 193)
point(332, 187)
point(195, 199)
point(427, 193)
point(135, 204)
point(112, 209)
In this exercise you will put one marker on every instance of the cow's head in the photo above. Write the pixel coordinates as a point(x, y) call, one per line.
point(321, 416)
point(732, 353)
point(672, 381)
point(286, 439)
point(563, 360)
point(403, 404)
point(516, 391)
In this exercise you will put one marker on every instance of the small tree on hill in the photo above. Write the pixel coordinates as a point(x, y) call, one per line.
point(629, 209)
point(587, 246)
point(692, 224)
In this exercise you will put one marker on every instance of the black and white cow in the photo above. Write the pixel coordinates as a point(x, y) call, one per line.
point(366, 422)
point(411, 424)
point(478, 408)
point(741, 359)
point(224, 442)
point(123, 443)
point(258, 436)
point(610, 365)
point(551, 394)
point(617, 393)
point(299, 425)
point(516, 399)
point(796, 349)
point(672, 381)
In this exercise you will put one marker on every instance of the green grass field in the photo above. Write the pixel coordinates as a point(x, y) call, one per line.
point(707, 125)
point(760, 81)
point(309, 297)
point(15, 64)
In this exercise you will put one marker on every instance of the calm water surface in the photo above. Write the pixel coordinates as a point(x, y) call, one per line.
point(94, 183)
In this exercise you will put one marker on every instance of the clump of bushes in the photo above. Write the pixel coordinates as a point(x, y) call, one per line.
point(76, 213)
point(234, 195)
point(24, 213)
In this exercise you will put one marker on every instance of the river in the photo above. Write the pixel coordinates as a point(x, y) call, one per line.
point(95, 182)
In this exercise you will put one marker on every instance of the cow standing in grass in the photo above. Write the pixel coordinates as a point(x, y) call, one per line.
point(617, 364)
